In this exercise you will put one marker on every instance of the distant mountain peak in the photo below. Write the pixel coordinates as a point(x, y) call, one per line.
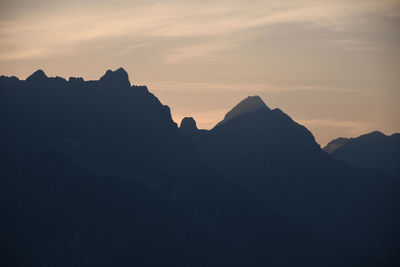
point(375, 134)
point(188, 125)
point(247, 105)
point(37, 76)
point(335, 144)
point(118, 77)
point(371, 150)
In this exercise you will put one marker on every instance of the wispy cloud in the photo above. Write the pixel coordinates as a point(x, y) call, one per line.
point(360, 125)
point(203, 50)
point(359, 44)
point(48, 32)
point(245, 87)
point(208, 86)
point(329, 128)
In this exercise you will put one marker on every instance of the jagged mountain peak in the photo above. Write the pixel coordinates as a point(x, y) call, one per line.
point(37, 76)
point(117, 77)
point(247, 105)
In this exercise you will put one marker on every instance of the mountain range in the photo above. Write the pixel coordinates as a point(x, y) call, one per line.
point(96, 173)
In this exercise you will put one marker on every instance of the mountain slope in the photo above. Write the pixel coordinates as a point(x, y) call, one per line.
point(335, 144)
point(279, 161)
point(248, 105)
point(100, 125)
point(97, 173)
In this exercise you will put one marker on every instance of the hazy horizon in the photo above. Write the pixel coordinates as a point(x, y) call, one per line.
point(332, 67)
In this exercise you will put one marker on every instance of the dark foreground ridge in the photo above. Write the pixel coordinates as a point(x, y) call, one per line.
point(96, 173)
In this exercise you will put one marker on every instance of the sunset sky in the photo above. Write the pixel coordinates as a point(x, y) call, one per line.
point(333, 66)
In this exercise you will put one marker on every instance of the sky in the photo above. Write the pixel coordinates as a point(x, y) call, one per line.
point(332, 66)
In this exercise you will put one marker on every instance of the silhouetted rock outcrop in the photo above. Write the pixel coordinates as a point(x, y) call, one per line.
point(188, 126)
point(372, 150)
point(118, 78)
point(76, 80)
point(96, 173)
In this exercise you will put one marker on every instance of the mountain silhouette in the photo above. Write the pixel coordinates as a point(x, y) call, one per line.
point(278, 160)
point(96, 173)
point(38, 75)
point(248, 105)
point(188, 126)
point(335, 144)
point(118, 78)
point(372, 150)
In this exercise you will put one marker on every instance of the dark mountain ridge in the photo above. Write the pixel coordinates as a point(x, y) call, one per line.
point(97, 173)
point(372, 150)
point(278, 160)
